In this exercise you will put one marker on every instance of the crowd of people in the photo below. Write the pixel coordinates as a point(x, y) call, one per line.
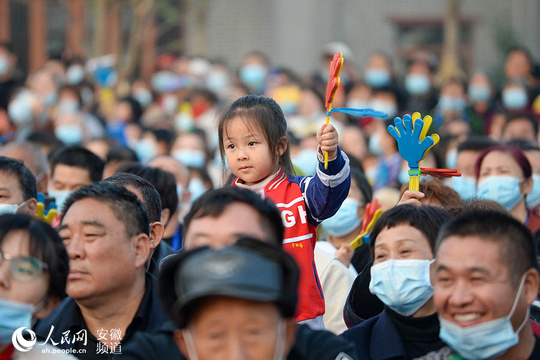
point(193, 215)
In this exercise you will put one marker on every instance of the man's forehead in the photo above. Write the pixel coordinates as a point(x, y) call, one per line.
point(88, 210)
point(469, 252)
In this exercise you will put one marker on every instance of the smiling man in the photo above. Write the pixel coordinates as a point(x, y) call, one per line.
point(486, 278)
point(105, 230)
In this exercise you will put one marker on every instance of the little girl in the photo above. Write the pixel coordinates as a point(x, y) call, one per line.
point(252, 137)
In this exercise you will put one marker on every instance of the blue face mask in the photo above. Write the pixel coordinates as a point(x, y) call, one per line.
point(402, 285)
point(289, 108)
point(533, 198)
point(145, 150)
point(193, 158)
point(50, 99)
point(14, 315)
point(307, 161)
point(254, 76)
point(69, 134)
point(377, 78)
point(503, 189)
point(60, 197)
point(196, 188)
point(403, 176)
point(417, 84)
point(68, 106)
point(345, 220)
point(449, 103)
point(465, 186)
point(374, 145)
point(75, 74)
point(451, 159)
point(479, 93)
point(358, 104)
point(143, 97)
point(486, 340)
point(4, 65)
point(514, 98)
point(20, 110)
point(217, 81)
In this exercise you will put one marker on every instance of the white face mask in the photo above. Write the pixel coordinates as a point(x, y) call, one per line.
point(486, 340)
point(10, 208)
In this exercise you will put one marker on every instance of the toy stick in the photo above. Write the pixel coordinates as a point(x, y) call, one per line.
point(331, 88)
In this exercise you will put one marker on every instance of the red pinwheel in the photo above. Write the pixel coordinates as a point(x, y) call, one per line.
point(331, 88)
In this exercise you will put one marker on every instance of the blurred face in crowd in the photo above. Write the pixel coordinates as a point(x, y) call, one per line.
point(103, 258)
point(309, 103)
point(520, 128)
point(473, 285)
point(480, 89)
point(353, 142)
point(466, 161)
point(236, 221)
point(230, 328)
point(69, 178)
point(517, 65)
point(12, 193)
point(43, 84)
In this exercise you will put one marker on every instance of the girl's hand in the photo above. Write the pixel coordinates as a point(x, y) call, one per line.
point(411, 197)
point(327, 137)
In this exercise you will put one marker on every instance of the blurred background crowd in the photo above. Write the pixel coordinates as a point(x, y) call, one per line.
point(124, 108)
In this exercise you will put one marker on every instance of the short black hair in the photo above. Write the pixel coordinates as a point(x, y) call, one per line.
point(476, 143)
point(80, 157)
point(45, 139)
point(427, 219)
point(27, 181)
point(523, 145)
point(163, 181)
point(363, 185)
point(151, 199)
point(121, 153)
point(517, 250)
point(125, 205)
point(45, 245)
point(214, 202)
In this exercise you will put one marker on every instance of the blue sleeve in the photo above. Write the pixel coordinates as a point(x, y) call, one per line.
point(325, 191)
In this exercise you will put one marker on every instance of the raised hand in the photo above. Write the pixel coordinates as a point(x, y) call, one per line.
point(413, 144)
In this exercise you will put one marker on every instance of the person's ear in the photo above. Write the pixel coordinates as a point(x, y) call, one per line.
point(43, 184)
point(156, 234)
point(530, 288)
point(282, 145)
point(527, 185)
point(290, 335)
point(142, 249)
point(47, 309)
point(31, 207)
point(178, 336)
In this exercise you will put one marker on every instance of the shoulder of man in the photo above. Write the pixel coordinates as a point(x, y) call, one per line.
point(321, 345)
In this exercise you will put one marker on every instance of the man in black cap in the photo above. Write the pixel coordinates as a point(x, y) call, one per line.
point(237, 302)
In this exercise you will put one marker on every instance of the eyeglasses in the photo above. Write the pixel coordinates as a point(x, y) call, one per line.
point(23, 268)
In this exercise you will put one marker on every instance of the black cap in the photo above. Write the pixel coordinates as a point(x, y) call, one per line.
point(250, 270)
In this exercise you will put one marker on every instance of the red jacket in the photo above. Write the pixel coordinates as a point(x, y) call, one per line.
point(304, 202)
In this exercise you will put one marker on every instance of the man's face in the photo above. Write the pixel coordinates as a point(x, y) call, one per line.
point(11, 193)
point(228, 328)
point(103, 259)
point(237, 220)
point(473, 286)
point(69, 178)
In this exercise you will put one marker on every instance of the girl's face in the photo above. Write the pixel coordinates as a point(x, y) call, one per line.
point(248, 152)
point(32, 290)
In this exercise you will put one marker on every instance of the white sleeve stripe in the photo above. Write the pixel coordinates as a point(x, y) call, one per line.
point(298, 238)
point(333, 181)
point(282, 179)
point(298, 199)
